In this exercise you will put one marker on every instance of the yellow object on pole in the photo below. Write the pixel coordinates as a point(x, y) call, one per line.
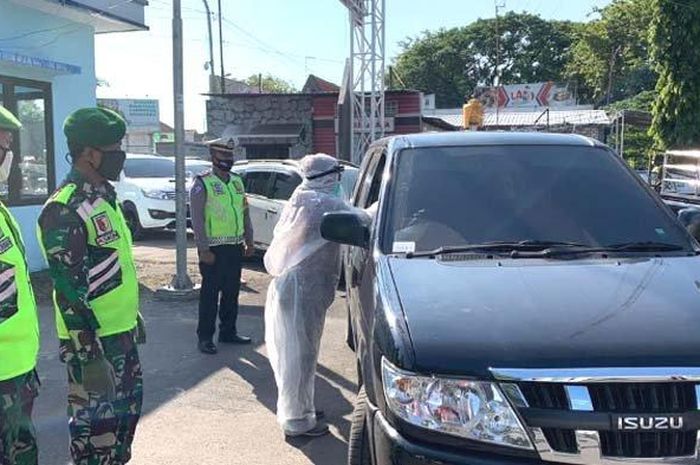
point(472, 114)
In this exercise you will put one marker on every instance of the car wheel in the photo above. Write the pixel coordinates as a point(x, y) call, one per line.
point(133, 223)
point(358, 443)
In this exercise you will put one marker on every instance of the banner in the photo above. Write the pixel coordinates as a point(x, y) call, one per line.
point(527, 96)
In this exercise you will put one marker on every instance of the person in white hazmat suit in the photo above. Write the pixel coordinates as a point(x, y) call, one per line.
point(305, 271)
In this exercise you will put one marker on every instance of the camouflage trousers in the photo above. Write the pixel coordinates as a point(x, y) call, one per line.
point(102, 430)
point(17, 434)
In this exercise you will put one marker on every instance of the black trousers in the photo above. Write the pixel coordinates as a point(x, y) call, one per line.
point(221, 284)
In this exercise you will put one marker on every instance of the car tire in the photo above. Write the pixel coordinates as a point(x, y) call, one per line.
point(133, 222)
point(359, 451)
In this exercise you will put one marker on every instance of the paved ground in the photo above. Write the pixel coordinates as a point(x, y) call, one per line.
point(203, 409)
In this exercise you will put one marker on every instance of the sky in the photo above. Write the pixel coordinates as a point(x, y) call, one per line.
point(286, 38)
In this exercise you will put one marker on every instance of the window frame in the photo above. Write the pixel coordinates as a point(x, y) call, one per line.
point(268, 185)
point(289, 173)
point(14, 197)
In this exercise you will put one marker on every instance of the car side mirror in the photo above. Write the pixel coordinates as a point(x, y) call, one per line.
point(350, 228)
point(690, 218)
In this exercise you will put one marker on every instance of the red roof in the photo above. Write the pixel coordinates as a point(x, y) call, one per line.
point(316, 85)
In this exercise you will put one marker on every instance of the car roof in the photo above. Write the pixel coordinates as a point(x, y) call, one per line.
point(145, 156)
point(286, 162)
point(465, 138)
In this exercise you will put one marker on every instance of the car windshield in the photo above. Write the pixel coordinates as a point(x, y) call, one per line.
point(149, 168)
point(459, 196)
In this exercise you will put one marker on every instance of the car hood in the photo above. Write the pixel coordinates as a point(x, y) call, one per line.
point(166, 184)
point(467, 317)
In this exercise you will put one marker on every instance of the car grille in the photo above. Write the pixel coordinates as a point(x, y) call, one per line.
point(622, 398)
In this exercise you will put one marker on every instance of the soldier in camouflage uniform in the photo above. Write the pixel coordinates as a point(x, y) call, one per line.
point(19, 328)
point(88, 248)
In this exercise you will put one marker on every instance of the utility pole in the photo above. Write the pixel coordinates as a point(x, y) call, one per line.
point(497, 77)
point(221, 50)
point(181, 283)
point(212, 73)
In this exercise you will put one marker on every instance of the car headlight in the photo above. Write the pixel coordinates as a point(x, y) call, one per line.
point(156, 194)
point(470, 409)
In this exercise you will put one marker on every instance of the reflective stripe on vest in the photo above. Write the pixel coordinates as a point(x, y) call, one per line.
point(113, 293)
point(19, 329)
point(223, 210)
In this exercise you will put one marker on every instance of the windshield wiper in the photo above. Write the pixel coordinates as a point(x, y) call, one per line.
point(500, 246)
point(648, 246)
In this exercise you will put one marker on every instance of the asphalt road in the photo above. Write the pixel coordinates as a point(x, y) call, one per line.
point(202, 409)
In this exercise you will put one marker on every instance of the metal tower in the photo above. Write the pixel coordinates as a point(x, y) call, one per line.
point(367, 71)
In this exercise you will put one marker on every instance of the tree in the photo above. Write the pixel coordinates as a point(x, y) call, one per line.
point(676, 51)
point(610, 58)
point(452, 63)
point(271, 84)
point(638, 143)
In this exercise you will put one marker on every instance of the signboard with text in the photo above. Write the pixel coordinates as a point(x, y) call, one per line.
point(143, 114)
point(527, 96)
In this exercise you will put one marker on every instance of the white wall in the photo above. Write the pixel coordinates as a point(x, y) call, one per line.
point(66, 42)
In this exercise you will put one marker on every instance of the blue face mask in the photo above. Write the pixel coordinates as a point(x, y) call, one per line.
point(339, 191)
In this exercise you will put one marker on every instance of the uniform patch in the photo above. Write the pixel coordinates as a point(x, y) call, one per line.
point(103, 228)
point(5, 244)
point(218, 188)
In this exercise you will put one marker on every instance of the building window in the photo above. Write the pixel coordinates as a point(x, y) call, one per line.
point(32, 176)
point(391, 108)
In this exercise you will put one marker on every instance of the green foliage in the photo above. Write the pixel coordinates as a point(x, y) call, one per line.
point(271, 84)
point(675, 48)
point(617, 41)
point(451, 63)
point(638, 143)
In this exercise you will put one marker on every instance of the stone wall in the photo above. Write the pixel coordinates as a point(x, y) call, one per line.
point(244, 112)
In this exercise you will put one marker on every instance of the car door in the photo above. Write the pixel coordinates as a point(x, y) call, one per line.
point(284, 182)
point(257, 187)
point(357, 258)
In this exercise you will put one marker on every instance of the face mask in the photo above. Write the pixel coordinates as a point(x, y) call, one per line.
point(339, 191)
point(223, 165)
point(112, 164)
point(6, 166)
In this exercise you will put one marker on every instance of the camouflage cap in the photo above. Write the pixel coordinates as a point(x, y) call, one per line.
point(94, 127)
point(8, 121)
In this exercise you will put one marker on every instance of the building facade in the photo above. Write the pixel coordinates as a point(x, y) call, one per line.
point(47, 70)
point(282, 126)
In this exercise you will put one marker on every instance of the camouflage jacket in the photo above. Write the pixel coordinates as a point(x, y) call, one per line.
point(65, 240)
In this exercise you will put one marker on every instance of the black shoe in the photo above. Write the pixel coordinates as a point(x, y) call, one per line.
point(234, 339)
point(207, 348)
point(320, 429)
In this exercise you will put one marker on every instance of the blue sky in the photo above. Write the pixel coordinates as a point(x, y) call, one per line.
point(288, 38)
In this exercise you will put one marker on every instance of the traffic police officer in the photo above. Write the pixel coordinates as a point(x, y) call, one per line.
point(224, 235)
point(88, 247)
point(19, 328)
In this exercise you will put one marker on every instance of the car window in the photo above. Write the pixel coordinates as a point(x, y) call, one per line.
point(195, 168)
point(454, 196)
point(283, 185)
point(258, 182)
point(149, 168)
point(348, 180)
point(364, 183)
point(373, 183)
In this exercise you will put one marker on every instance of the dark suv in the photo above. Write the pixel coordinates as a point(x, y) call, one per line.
point(518, 299)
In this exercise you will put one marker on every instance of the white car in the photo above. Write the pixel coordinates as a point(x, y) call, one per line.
point(268, 186)
point(146, 191)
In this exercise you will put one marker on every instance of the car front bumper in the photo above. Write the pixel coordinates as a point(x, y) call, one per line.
point(392, 448)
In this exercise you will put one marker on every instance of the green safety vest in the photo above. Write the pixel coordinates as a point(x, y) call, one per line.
point(113, 293)
point(19, 334)
point(223, 210)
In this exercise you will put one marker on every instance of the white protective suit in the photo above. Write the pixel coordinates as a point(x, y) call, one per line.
point(305, 271)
